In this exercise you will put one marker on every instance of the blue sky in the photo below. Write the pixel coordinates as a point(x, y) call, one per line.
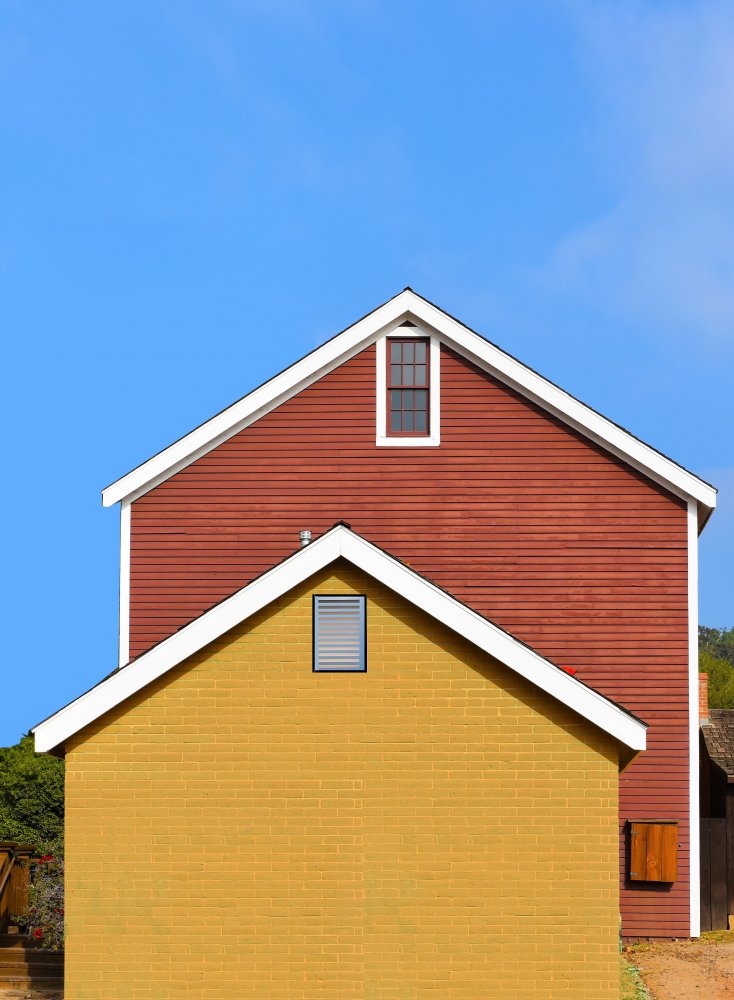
point(193, 195)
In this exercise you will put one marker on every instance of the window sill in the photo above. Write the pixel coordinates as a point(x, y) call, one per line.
point(408, 442)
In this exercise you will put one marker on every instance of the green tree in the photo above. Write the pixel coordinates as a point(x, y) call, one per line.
point(716, 658)
point(718, 642)
point(721, 679)
point(32, 797)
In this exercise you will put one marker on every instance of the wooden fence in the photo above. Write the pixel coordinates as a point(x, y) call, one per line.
point(15, 867)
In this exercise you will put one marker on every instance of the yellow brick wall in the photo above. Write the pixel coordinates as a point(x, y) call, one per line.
point(434, 828)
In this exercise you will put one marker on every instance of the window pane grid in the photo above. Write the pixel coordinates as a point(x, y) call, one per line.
point(408, 386)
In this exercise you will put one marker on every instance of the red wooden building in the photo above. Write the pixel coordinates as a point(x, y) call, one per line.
point(521, 501)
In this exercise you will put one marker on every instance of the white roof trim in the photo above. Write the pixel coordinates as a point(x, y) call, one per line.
point(385, 318)
point(340, 541)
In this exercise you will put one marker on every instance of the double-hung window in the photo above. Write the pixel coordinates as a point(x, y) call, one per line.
point(408, 386)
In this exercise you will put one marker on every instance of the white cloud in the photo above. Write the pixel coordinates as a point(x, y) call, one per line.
point(664, 79)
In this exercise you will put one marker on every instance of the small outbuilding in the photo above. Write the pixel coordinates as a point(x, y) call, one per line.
point(717, 815)
point(342, 782)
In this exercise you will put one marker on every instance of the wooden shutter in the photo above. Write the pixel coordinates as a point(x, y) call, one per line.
point(339, 633)
point(653, 850)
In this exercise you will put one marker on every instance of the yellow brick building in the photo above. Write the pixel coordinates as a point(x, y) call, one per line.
point(438, 826)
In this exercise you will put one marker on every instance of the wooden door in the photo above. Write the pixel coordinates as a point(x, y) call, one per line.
point(714, 901)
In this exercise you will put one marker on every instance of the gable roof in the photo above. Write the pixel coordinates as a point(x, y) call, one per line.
point(407, 305)
point(718, 734)
point(340, 542)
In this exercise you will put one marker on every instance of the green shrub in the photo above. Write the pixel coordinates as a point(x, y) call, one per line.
point(44, 921)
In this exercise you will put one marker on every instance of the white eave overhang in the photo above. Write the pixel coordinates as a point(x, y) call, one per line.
point(341, 542)
point(487, 356)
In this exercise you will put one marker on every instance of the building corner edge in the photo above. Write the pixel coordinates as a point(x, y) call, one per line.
point(124, 611)
point(694, 809)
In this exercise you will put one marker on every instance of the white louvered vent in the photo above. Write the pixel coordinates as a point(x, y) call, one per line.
point(339, 637)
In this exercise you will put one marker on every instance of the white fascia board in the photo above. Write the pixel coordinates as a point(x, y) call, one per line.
point(339, 542)
point(694, 724)
point(494, 641)
point(566, 407)
point(184, 643)
point(408, 305)
point(253, 406)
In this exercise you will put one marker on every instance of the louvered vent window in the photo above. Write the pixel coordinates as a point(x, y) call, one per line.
point(339, 633)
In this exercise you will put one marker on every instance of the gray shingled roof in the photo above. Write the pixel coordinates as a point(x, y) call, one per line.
point(719, 737)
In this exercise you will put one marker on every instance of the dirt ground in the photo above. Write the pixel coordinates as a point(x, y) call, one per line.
point(684, 970)
point(671, 970)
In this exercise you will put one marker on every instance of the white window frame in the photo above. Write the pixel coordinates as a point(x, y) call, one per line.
point(433, 438)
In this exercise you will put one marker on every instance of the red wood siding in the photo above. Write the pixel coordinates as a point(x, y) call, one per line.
point(514, 513)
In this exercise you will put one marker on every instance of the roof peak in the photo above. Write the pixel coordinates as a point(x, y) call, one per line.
point(341, 542)
point(456, 335)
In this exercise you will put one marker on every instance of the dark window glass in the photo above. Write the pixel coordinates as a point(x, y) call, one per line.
point(408, 367)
